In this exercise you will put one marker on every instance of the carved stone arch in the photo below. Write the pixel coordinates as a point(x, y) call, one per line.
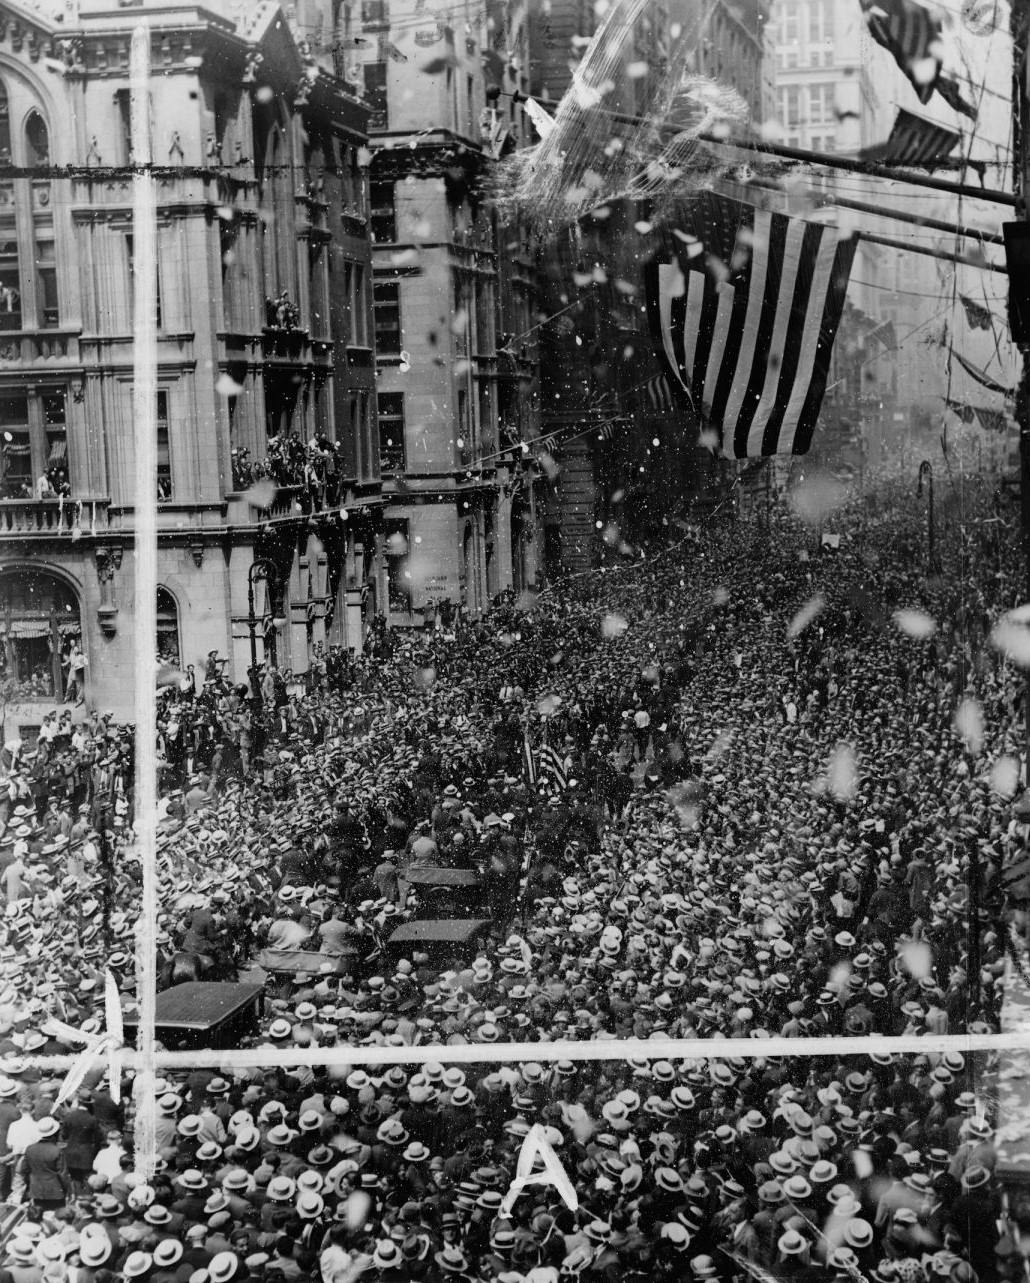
point(51, 568)
point(36, 625)
point(12, 70)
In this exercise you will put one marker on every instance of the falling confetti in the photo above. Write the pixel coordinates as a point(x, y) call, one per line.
point(969, 723)
point(917, 959)
point(1012, 640)
point(914, 623)
point(261, 494)
point(810, 611)
point(1005, 776)
point(613, 626)
point(226, 385)
point(817, 497)
point(842, 775)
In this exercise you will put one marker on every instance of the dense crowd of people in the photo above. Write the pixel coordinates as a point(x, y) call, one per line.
point(745, 786)
point(313, 469)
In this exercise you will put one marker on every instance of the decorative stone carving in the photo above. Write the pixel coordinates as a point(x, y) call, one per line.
point(109, 560)
point(254, 61)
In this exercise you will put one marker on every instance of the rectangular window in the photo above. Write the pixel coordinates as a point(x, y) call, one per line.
point(16, 452)
point(319, 289)
point(827, 18)
point(55, 439)
point(10, 276)
point(384, 213)
point(131, 251)
point(464, 426)
point(390, 406)
point(164, 455)
point(790, 107)
point(470, 102)
point(820, 104)
point(375, 93)
point(374, 12)
point(357, 306)
point(46, 279)
point(386, 301)
point(398, 583)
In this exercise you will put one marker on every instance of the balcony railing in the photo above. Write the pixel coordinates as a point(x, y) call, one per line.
point(70, 517)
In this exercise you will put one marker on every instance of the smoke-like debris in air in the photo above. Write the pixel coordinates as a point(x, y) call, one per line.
point(602, 144)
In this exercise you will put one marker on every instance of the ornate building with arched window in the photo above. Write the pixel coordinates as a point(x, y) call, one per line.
point(267, 444)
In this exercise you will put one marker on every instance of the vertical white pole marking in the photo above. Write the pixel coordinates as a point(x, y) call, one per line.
point(144, 405)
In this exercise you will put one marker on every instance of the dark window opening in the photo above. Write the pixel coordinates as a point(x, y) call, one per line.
point(386, 299)
point(37, 141)
point(164, 454)
point(390, 406)
point(375, 92)
point(398, 583)
point(16, 448)
point(384, 213)
point(167, 629)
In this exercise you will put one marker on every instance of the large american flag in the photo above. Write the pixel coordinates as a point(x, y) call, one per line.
point(744, 311)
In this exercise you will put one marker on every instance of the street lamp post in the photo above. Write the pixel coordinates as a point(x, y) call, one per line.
point(926, 469)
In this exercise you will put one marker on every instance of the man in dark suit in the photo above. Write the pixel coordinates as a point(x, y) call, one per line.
point(83, 1139)
point(44, 1169)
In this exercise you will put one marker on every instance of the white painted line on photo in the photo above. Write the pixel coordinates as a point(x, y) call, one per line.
point(144, 405)
point(619, 1049)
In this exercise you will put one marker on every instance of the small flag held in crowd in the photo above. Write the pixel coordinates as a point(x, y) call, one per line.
point(746, 327)
point(552, 763)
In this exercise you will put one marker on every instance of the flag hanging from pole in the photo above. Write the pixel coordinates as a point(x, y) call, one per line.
point(992, 420)
point(746, 326)
point(979, 318)
point(911, 34)
point(981, 376)
point(657, 395)
point(915, 142)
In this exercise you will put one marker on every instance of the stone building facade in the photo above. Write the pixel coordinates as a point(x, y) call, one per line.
point(268, 545)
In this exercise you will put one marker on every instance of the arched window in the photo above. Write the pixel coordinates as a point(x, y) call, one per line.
point(5, 128)
point(168, 651)
point(39, 624)
point(37, 141)
point(28, 280)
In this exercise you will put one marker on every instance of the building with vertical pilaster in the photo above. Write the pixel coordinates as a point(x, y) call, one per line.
point(453, 289)
point(269, 520)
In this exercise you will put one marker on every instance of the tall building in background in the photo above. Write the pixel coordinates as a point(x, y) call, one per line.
point(727, 40)
point(830, 98)
point(268, 470)
point(453, 289)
